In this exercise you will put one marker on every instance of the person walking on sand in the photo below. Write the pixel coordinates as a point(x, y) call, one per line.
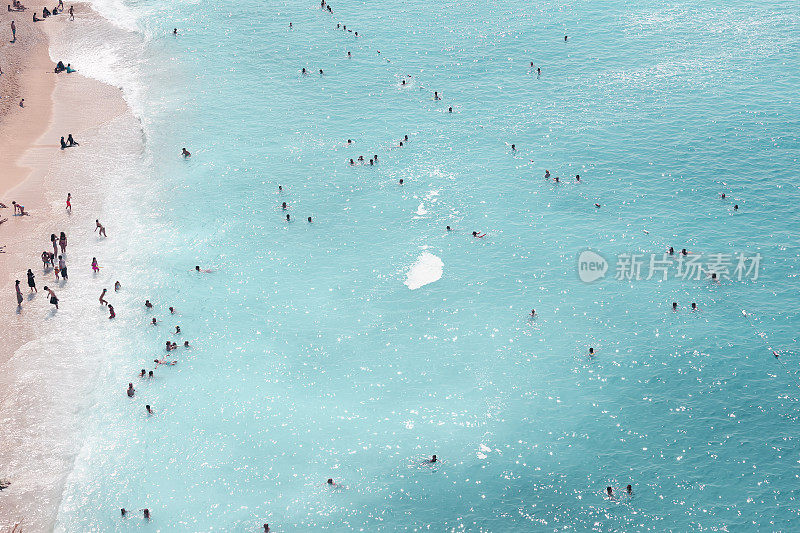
point(103, 297)
point(100, 227)
point(31, 282)
point(53, 297)
point(71, 13)
point(62, 242)
point(69, 203)
point(19, 294)
point(95, 267)
point(13, 33)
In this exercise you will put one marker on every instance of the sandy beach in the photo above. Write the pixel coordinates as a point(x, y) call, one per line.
point(35, 173)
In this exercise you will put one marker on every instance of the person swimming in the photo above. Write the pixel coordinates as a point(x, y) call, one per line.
point(694, 306)
point(401, 181)
point(547, 174)
point(185, 152)
point(477, 235)
point(609, 490)
point(147, 304)
point(448, 228)
point(533, 313)
point(131, 391)
point(591, 352)
point(629, 490)
point(154, 321)
point(433, 459)
point(149, 410)
point(674, 306)
point(309, 220)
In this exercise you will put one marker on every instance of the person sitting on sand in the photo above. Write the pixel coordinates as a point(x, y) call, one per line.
point(45, 14)
point(63, 143)
point(71, 141)
point(35, 18)
point(70, 70)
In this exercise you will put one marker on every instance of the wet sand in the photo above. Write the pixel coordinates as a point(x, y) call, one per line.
point(35, 172)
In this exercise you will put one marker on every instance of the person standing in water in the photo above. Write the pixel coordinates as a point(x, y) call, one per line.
point(53, 297)
point(103, 297)
point(62, 266)
point(99, 226)
point(62, 242)
point(31, 281)
point(19, 294)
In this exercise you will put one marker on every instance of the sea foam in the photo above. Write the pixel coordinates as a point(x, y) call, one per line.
point(426, 269)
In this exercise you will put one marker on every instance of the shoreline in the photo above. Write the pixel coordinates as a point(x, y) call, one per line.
point(38, 175)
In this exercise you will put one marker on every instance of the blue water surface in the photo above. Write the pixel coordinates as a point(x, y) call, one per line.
point(311, 359)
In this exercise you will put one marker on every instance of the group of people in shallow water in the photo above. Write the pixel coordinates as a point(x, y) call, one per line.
point(56, 261)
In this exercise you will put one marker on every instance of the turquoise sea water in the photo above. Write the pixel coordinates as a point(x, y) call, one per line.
point(312, 359)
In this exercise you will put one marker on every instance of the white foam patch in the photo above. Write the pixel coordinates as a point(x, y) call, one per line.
point(426, 269)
